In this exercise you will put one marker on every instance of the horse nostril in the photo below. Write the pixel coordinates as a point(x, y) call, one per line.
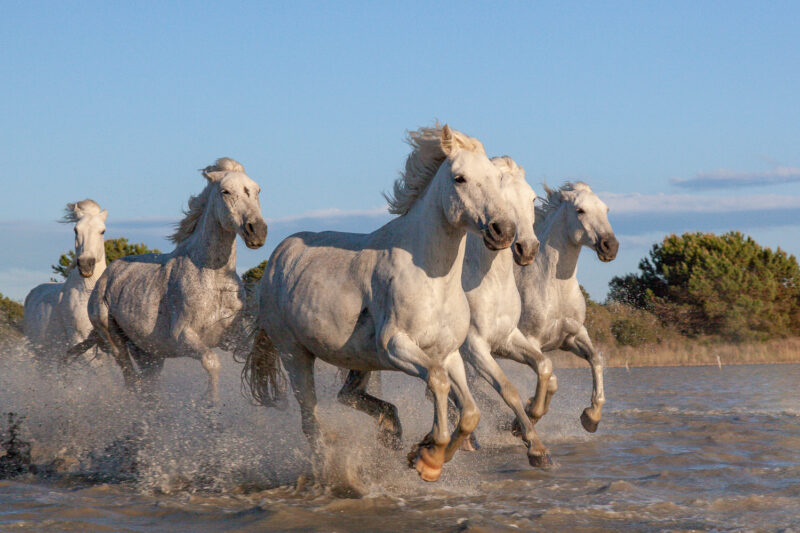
point(535, 249)
point(250, 227)
point(519, 249)
point(604, 245)
point(495, 228)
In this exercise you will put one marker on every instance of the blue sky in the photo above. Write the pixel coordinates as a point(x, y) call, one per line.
point(683, 116)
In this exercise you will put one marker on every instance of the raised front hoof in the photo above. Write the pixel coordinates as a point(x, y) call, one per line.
point(541, 460)
point(587, 422)
point(390, 439)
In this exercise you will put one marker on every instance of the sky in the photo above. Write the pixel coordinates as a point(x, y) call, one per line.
point(682, 116)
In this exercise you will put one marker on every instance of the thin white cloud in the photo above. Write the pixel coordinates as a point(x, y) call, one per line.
point(724, 178)
point(629, 203)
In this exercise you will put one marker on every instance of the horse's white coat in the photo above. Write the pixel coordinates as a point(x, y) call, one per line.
point(495, 306)
point(55, 313)
point(553, 308)
point(391, 299)
point(149, 307)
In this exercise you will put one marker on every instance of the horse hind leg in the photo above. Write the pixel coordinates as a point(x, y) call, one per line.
point(150, 367)
point(353, 394)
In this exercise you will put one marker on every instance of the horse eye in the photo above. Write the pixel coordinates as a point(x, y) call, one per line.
point(103, 232)
point(460, 179)
point(225, 191)
point(580, 211)
point(75, 230)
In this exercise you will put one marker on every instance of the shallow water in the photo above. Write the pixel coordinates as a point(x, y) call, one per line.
point(678, 449)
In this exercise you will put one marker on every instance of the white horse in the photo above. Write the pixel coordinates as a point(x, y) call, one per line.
point(388, 300)
point(495, 309)
point(55, 313)
point(553, 308)
point(182, 304)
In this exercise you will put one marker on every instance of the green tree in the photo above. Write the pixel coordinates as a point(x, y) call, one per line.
point(726, 285)
point(11, 313)
point(254, 274)
point(115, 248)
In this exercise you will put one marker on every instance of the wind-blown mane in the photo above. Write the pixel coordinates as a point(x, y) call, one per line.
point(75, 212)
point(549, 204)
point(426, 156)
point(197, 204)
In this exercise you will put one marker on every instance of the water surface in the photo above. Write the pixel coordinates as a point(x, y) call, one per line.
point(679, 448)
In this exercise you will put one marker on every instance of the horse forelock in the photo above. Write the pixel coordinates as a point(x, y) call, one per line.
point(426, 157)
point(553, 199)
point(74, 212)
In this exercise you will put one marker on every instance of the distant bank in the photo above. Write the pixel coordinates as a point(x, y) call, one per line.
point(687, 352)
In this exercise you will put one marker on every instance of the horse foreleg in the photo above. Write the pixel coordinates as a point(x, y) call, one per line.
point(523, 350)
point(470, 414)
point(299, 364)
point(478, 354)
point(353, 394)
point(581, 345)
point(189, 344)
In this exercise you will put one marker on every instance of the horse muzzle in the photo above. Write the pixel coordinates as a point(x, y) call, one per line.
point(86, 266)
point(525, 252)
point(607, 248)
point(499, 234)
point(254, 234)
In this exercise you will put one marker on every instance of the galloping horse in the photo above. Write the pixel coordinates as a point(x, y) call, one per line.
point(553, 308)
point(55, 313)
point(388, 300)
point(148, 307)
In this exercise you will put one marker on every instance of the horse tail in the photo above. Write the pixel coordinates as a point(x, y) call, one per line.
point(263, 374)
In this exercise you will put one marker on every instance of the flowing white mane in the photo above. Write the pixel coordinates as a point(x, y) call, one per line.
point(423, 162)
point(75, 212)
point(549, 204)
point(197, 204)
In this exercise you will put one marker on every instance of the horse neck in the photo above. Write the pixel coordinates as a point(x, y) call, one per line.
point(558, 255)
point(479, 260)
point(210, 246)
point(436, 246)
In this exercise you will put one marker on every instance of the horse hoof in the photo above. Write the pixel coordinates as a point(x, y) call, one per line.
point(587, 422)
point(540, 461)
point(470, 444)
point(426, 468)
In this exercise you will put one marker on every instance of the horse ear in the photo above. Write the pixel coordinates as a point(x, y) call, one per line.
point(71, 207)
point(448, 141)
point(104, 214)
point(213, 175)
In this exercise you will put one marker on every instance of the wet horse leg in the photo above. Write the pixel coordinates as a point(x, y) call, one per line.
point(117, 343)
point(189, 344)
point(526, 351)
point(150, 367)
point(299, 364)
point(353, 394)
point(470, 414)
point(581, 345)
point(481, 358)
